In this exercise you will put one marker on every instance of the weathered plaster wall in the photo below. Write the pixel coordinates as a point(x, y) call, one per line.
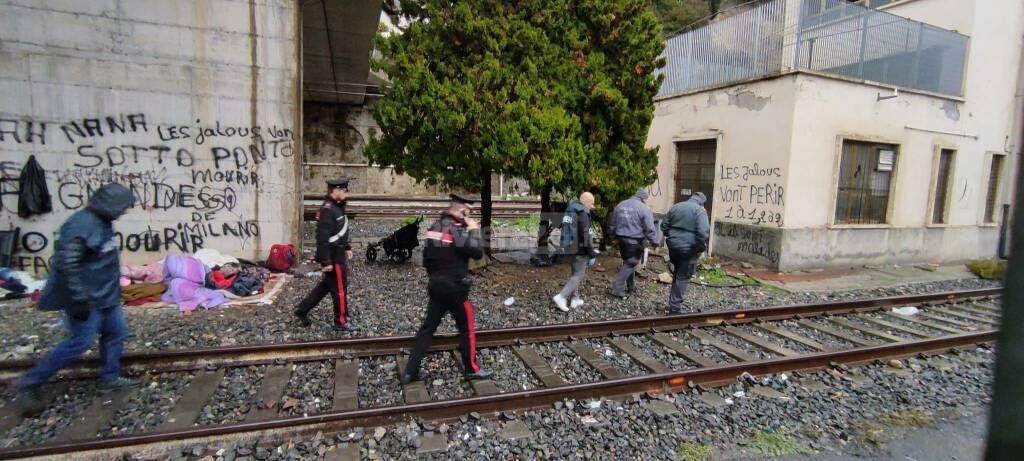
point(190, 103)
point(753, 126)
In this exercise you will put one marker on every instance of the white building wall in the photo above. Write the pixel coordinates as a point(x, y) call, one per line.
point(211, 88)
point(798, 125)
point(753, 125)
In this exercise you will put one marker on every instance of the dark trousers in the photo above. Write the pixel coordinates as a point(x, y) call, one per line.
point(107, 323)
point(329, 284)
point(631, 251)
point(442, 302)
point(684, 263)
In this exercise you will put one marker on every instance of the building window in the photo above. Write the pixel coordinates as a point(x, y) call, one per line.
point(994, 173)
point(942, 182)
point(865, 177)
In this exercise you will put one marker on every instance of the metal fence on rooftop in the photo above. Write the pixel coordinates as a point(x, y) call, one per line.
point(829, 36)
point(740, 47)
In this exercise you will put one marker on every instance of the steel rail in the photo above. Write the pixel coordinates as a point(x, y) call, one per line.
point(657, 382)
point(181, 359)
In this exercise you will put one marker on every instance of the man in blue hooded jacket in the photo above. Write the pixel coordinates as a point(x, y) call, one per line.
point(578, 241)
point(686, 228)
point(84, 282)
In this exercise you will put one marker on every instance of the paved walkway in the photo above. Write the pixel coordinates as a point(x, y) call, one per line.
point(864, 278)
point(962, 439)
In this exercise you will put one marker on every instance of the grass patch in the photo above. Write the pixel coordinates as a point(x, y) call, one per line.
point(913, 417)
point(775, 444)
point(988, 269)
point(408, 220)
point(693, 452)
point(524, 224)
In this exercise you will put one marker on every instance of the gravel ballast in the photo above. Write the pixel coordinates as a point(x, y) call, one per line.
point(850, 417)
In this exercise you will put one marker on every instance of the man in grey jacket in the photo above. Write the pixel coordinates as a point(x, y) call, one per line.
point(686, 229)
point(632, 224)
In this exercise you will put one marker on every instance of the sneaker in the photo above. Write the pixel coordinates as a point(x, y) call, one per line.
point(303, 319)
point(560, 302)
point(576, 303)
point(32, 404)
point(482, 374)
point(409, 378)
point(118, 383)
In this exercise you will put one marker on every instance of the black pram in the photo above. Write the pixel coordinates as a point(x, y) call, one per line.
point(399, 245)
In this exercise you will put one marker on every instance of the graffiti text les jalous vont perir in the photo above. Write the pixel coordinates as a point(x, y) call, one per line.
point(751, 193)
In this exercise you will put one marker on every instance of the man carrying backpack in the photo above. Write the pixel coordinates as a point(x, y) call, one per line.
point(577, 241)
point(686, 229)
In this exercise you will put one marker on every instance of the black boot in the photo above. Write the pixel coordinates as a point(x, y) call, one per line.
point(347, 327)
point(303, 318)
point(32, 403)
point(482, 374)
point(410, 377)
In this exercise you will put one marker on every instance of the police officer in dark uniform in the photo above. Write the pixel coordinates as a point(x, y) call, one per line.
point(333, 252)
point(449, 244)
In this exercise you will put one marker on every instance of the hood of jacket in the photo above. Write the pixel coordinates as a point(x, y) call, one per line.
point(698, 198)
point(111, 201)
point(576, 206)
point(641, 195)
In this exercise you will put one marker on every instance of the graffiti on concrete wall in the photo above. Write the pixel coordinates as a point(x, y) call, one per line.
point(748, 243)
point(751, 194)
point(194, 183)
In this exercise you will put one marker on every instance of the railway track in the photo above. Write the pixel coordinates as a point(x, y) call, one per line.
point(656, 354)
point(399, 207)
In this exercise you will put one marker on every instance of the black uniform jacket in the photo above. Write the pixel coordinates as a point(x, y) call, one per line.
point(446, 252)
point(332, 233)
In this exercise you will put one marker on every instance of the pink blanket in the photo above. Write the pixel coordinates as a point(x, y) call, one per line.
point(185, 277)
point(150, 273)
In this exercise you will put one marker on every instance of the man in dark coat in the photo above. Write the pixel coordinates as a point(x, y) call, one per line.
point(333, 252)
point(450, 243)
point(84, 282)
point(578, 241)
point(632, 224)
point(686, 228)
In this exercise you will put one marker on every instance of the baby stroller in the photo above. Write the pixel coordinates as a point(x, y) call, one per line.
point(399, 245)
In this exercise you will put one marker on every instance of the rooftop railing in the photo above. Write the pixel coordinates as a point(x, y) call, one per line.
point(828, 36)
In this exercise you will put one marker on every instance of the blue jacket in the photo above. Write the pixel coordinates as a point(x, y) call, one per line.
point(86, 268)
point(632, 219)
point(577, 232)
point(686, 224)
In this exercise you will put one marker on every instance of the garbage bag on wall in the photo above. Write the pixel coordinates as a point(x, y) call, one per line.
point(33, 195)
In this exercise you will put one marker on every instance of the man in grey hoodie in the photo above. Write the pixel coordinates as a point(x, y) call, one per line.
point(686, 228)
point(632, 224)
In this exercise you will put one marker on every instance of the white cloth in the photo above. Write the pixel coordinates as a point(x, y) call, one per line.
point(212, 258)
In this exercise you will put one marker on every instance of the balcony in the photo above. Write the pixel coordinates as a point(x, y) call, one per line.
point(828, 36)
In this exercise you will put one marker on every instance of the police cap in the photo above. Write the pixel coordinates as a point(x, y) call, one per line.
point(462, 200)
point(337, 183)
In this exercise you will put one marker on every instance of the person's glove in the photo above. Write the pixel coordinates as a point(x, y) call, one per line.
point(80, 316)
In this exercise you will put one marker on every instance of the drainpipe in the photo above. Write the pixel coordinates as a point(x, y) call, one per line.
point(1016, 143)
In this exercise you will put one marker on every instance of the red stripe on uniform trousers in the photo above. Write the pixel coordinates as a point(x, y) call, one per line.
point(341, 295)
point(439, 236)
point(472, 336)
